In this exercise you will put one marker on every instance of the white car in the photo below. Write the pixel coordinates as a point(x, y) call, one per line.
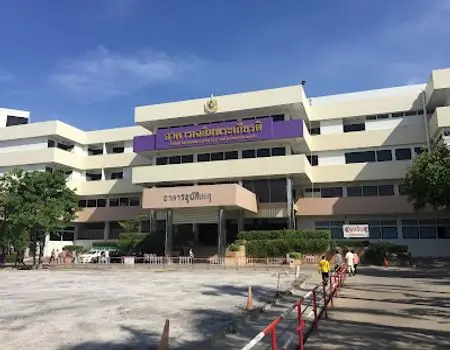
point(91, 256)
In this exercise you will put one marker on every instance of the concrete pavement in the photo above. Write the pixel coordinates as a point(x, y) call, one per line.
point(393, 308)
point(285, 329)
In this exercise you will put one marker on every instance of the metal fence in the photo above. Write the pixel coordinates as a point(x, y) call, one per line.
point(183, 262)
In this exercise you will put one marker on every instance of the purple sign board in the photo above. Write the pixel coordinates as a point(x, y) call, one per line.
point(219, 133)
point(214, 134)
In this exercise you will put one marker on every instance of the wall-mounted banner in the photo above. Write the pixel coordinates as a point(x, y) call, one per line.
point(356, 231)
point(219, 133)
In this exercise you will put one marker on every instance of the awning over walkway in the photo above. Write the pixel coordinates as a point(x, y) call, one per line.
point(223, 195)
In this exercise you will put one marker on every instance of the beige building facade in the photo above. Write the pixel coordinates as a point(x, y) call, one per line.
point(205, 169)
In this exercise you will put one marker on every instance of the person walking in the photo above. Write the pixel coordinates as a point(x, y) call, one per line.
point(58, 257)
point(324, 269)
point(355, 262)
point(74, 257)
point(52, 257)
point(349, 263)
point(338, 259)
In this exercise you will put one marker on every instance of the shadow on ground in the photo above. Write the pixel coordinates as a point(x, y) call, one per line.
point(138, 341)
point(206, 322)
point(435, 272)
point(387, 311)
point(346, 335)
point(350, 335)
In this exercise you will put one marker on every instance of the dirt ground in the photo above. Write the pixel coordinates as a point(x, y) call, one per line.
point(122, 309)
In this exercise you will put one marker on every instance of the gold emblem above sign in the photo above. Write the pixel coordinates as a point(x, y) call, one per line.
point(211, 106)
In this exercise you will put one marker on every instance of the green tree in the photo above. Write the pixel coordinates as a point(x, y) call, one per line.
point(131, 235)
point(12, 233)
point(428, 179)
point(128, 241)
point(39, 203)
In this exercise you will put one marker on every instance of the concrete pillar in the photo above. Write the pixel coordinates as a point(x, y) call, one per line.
point(75, 233)
point(195, 232)
point(152, 219)
point(290, 205)
point(240, 220)
point(106, 231)
point(222, 234)
point(169, 233)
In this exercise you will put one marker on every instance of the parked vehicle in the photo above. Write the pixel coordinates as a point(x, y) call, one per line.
point(91, 256)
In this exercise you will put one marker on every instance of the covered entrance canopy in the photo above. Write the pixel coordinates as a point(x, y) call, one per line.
point(199, 204)
point(222, 195)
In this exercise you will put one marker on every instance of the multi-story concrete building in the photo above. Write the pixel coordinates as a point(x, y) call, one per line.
point(208, 168)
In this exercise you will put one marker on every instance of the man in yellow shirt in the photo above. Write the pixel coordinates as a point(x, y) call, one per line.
point(324, 269)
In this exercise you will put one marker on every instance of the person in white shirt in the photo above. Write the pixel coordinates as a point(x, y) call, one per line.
point(106, 256)
point(349, 262)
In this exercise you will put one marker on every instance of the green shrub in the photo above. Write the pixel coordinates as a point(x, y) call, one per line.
point(280, 247)
point(349, 243)
point(104, 245)
point(234, 247)
point(77, 248)
point(10, 259)
point(295, 255)
point(284, 234)
point(375, 253)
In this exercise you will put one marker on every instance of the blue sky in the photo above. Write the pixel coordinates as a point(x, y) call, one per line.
point(90, 62)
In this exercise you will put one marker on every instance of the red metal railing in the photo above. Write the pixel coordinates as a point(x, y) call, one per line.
point(335, 282)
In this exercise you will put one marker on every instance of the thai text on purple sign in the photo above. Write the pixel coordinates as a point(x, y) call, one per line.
point(206, 134)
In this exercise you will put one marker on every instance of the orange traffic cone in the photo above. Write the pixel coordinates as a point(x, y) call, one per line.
point(164, 342)
point(249, 306)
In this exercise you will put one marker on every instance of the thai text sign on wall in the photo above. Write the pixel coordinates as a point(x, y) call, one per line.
point(215, 133)
point(356, 231)
point(194, 196)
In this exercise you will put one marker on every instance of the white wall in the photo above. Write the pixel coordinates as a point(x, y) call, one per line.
point(331, 158)
point(23, 145)
point(78, 175)
point(128, 148)
point(392, 123)
point(80, 150)
point(333, 126)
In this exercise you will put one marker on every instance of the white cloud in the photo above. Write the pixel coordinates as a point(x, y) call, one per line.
point(102, 74)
